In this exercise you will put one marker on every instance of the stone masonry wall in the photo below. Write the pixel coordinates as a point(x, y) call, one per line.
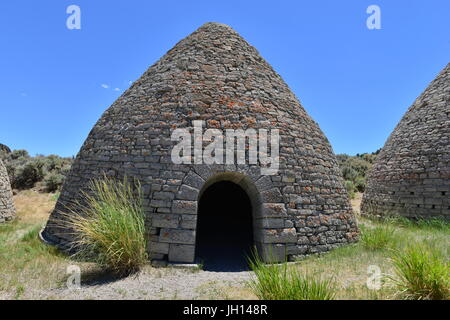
point(7, 211)
point(411, 175)
point(216, 76)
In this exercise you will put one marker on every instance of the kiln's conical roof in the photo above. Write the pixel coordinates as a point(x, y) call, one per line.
point(411, 175)
point(7, 211)
point(214, 75)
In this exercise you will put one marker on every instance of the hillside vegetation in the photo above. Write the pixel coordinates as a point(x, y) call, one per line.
point(355, 170)
point(48, 172)
point(45, 173)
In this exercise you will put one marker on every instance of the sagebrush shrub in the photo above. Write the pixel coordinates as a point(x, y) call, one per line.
point(26, 172)
point(27, 175)
point(54, 181)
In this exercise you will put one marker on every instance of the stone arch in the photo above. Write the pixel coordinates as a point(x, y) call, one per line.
point(244, 182)
point(272, 227)
point(240, 223)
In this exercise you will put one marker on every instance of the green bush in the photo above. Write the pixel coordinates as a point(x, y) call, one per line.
point(27, 175)
point(355, 169)
point(17, 154)
point(26, 172)
point(349, 173)
point(422, 272)
point(360, 184)
point(350, 187)
point(54, 181)
point(377, 238)
point(278, 282)
point(111, 228)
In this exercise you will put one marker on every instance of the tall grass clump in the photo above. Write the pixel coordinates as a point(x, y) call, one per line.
point(377, 238)
point(421, 272)
point(278, 282)
point(110, 230)
point(434, 223)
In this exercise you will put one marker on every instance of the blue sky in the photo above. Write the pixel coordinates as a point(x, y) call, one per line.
point(355, 82)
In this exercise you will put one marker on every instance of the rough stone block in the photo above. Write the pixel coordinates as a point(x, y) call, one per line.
point(159, 247)
point(165, 221)
point(271, 252)
point(273, 210)
point(287, 235)
point(177, 236)
point(184, 207)
point(181, 253)
point(187, 193)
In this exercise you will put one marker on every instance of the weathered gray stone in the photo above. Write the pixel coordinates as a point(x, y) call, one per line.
point(216, 76)
point(184, 207)
point(188, 221)
point(182, 253)
point(177, 236)
point(274, 210)
point(194, 180)
point(159, 247)
point(411, 174)
point(7, 210)
point(166, 220)
point(187, 193)
point(272, 252)
point(287, 235)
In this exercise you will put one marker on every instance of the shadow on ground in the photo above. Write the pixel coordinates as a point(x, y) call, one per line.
point(223, 259)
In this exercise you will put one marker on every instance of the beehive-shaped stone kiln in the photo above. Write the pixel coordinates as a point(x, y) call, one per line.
point(7, 211)
point(411, 175)
point(214, 79)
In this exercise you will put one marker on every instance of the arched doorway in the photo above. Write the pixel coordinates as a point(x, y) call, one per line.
point(224, 227)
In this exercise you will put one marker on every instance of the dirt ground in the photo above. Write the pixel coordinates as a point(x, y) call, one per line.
point(32, 270)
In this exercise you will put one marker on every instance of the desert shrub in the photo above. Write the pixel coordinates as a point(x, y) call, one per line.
point(17, 154)
point(27, 172)
point(54, 181)
point(111, 229)
point(27, 175)
point(53, 162)
point(355, 169)
point(377, 238)
point(421, 272)
point(278, 282)
point(350, 187)
point(349, 173)
point(360, 184)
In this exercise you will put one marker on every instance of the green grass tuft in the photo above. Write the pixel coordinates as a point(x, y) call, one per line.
point(377, 238)
point(435, 223)
point(111, 229)
point(278, 282)
point(421, 272)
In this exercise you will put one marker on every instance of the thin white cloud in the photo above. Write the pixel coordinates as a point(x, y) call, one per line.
point(105, 86)
point(116, 89)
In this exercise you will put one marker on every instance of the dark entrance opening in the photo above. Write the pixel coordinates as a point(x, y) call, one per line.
point(224, 228)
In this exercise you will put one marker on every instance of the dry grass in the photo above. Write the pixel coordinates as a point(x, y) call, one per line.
point(215, 290)
point(29, 266)
point(26, 263)
point(111, 230)
point(34, 207)
point(356, 203)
